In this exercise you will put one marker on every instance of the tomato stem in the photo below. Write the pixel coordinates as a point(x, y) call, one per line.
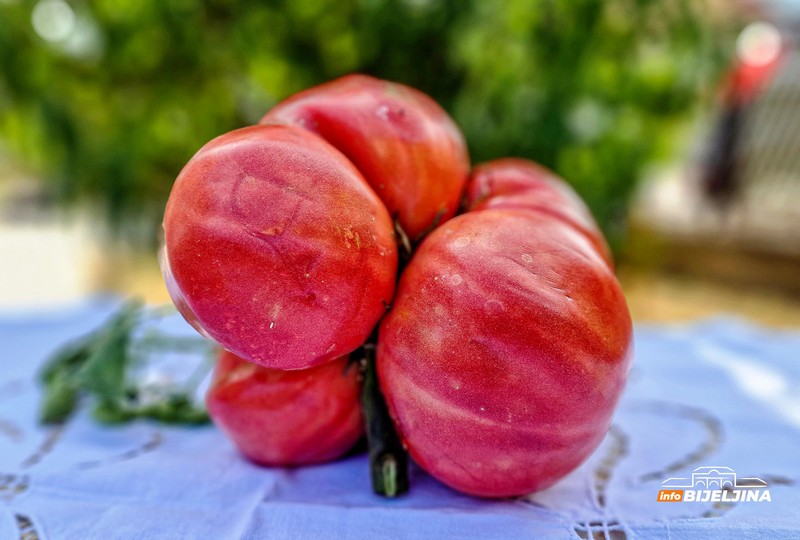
point(387, 458)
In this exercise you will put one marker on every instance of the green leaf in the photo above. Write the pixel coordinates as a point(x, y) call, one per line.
point(98, 366)
point(103, 373)
point(61, 398)
point(177, 409)
point(68, 358)
point(110, 412)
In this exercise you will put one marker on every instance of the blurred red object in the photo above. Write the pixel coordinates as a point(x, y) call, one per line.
point(761, 48)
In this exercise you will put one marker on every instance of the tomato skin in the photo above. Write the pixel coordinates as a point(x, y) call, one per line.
point(408, 148)
point(505, 351)
point(276, 247)
point(287, 418)
point(520, 183)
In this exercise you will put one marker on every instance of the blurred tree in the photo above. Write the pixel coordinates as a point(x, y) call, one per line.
point(590, 88)
point(107, 99)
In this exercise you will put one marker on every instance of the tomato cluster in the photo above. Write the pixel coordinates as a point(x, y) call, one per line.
point(503, 342)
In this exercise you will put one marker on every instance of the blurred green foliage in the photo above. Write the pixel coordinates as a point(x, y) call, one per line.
point(119, 94)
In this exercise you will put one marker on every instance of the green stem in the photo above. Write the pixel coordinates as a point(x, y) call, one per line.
point(388, 459)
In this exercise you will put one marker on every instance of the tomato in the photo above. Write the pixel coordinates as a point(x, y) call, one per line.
point(506, 349)
point(519, 183)
point(408, 148)
point(277, 248)
point(278, 417)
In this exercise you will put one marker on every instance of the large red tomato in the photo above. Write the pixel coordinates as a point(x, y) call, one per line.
point(506, 349)
point(277, 248)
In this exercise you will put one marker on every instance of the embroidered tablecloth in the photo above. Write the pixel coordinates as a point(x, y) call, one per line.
point(708, 405)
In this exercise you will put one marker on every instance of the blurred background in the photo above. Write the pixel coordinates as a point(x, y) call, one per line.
point(678, 121)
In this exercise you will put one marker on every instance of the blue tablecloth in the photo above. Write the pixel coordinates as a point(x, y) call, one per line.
point(715, 396)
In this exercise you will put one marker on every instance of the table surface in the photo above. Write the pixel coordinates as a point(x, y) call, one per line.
point(720, 393)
